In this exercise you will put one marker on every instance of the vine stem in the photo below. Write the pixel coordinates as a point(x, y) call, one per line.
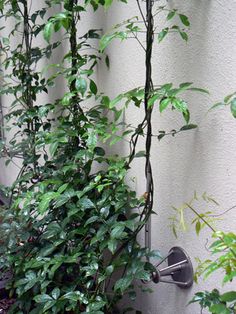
point(27, 37)
point(74, 55)
point(148, 112)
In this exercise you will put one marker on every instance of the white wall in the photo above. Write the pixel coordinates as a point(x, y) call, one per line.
point(202, 159)
point(198, 160)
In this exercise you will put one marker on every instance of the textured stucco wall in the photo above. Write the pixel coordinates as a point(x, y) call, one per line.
point(199, 160)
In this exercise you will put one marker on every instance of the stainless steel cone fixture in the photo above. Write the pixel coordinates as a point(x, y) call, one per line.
point(179, 270)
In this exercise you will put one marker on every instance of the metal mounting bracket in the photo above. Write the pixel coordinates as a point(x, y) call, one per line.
point(179, 269)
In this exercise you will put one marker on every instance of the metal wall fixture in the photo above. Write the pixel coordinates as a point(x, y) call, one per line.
point(179, 270)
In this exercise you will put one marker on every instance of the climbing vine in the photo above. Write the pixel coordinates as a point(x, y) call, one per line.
point(69, 232)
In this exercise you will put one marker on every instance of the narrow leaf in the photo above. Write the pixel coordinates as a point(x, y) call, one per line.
point(233, 107)
point(93, 87)
point(184, 35)
point(164, 103)
point(188, 127)
point(47, 33)
point(81, 85)
point(163, 34)
point(170, 15)
point(184, 19)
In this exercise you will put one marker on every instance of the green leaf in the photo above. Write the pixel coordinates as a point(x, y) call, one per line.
point(62, 188)
point(47, 250)
point(143, 275)
point(92, 139)
point(153, 99)
point(105, 41)
point(180, 105)
point(106, 101)
point(198, 227)
point(116, 100)
point(91, 220)
point(42, 298)
point(196, 89)
point(112, 245)
point(170, 15)
point(108, 3)
point(55, 293)
point(163, 34)
point(81, 85)
point(228, 296)
point(44, 204)
point(188, 127)
point(73, 296)
point(167, 87)
point(160, 136)
point(130, 224)
point(61, 200)
point(141, 153)
point(47, 33)
point(109, 269)
point(185, 85)
point(86, 203)
point(164, 104)
point(184, 19)
point(186, 116)
point(217, 105)
point(233, 107)
point(53, 229)
point(219, 309)
point(228, 97)
point(117, 231)
point(48, 305)
point(123, 283)
point(184, 35)
point(93, 87)
point(67, 98)
point(53, 148)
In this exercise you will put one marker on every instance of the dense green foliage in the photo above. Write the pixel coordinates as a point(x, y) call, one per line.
point(68, 228)
point(225, 250)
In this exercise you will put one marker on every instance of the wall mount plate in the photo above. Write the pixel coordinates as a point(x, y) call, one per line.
point(185, 275)
point(179, 269)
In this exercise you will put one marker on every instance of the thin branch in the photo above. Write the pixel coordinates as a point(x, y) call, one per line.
point(200, 217)
point(141, 12)
point(136, 37)
point(209, 226)
point(224, 212)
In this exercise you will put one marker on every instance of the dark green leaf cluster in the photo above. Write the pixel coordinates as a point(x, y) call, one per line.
point(215, 302)
point(72, 222)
